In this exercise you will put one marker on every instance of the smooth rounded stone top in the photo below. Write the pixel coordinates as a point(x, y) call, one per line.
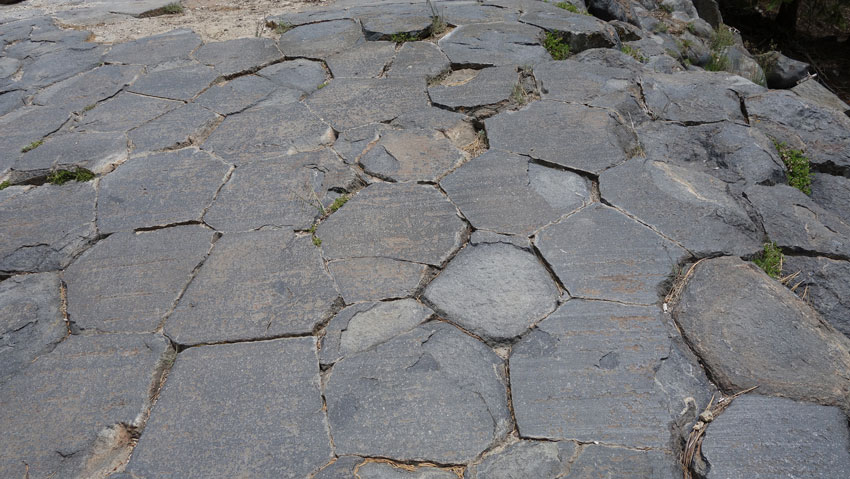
point(538, 459)
point(581, 32)
point(273, 427)
point(181, 83)
point(826, 285)
point(500, 43)
point(575, 136)
point(465, 89)
point(128, 282)
point(507, 193)
point(410, 18)
point(235, 56)
point(31, 322)
point(419, 59)
point(433, 394)
point(496, 291)
point(692, 97)
point(321, 40)
point(411, 155)
point(407, 222)
point(383, 470)
point(167, 48)
point(367, 60)
point(301, 74)
point(600, 253)
point(749, 330)
point(761, 437)
point(88, 88)
point(698, 210)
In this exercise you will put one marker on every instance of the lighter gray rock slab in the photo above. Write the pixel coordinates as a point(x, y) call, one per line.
point(602, 461)
point(124, 112)
point(321, 40)
point(814, 92)
point(348, 103)
point(406, 222)
point(832, 193)
point(366, 60)
point(464, 13)
point(412, 19)
point(495, 291)
point(177, 128)
point(826, 286)
point(98, 152)
point(796, 223)
point(698, 211)
point(371, 279)
point(382, 470)
point(10, 101)
point(600, 253)
point(300, 74)
point(692, 97)
point(501, 43)
point(157, 190)
point(419, 59)
point(25, 125)
point(58, 412)
point(575, 136)
point(762, 437)
point(542, 460)
point(286, 192)
point(411, 155)
point(465, 89)
point(87, 89)
point(130, 281)
point(274, 422)
point(31, 321)
point(276, 285)
point(744, 325)
point(181, 83)
point(236, 95)
point(44, 228)
point(581, 32)
point(268, 131)
point(57, 66)
point(507, 193)
point(350, 144)
point(239, 55)
point(172, 48)
point(432, 394)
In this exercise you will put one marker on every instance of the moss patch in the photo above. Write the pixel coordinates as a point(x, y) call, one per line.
point(555, 45)
point(797, 167)
point(60, 177)
point(770, 260)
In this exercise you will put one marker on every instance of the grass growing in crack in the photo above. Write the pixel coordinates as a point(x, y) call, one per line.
point(660, 27)
point(316, 240)
point(555, 45)
point(438, 22)
point(32, 146)
point(337, 204)
point(172, 8)
point(281, 28)
point(691, 28)
point(634, 53)
point(60, 177)
point(519, 96)
point(666, 7)
point(89, 107)
point(403, 37)
point(321, 85)
point(770, 260)
point(5, 185)
point(571, 8)
point(797, 167)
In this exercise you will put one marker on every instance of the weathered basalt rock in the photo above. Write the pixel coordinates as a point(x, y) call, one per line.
point(502, 43)
point(825, 284)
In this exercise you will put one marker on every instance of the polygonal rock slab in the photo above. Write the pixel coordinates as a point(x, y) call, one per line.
point(743, 324)
point(31, 321)
point(758, 436)
point(59, 65)
point(58, 412)
point(372, 279)
point(501, 43)
point(174, 129)
point(366, 325)
point(581, 32)
point(350, 144)
point(173, 47)
point(268, 130)
point(348, 103)
point(299, 74)
point(44, 228)
point(287, 192)
point(411, 19)
point(833, 193)
point(87, 89)
point(692, 97)
point(276, 285)
point(25, 125)
point(509, 194)
point(124, 112)
point(236, 95)
point(98, 152)
point(366, 60)
point(603, 461)
point(181, 83)
point(575, 136)
point(600, 253)
point(130, 281)
point(419, 59)
point(465, 89)
point(589, 372)
point(496, 291)
point(161, 189)
point(235, 56)
point(406, 222)
point(382, 470)
point(698, 211)
point(389, 401)
point(538, 459)
point(825, 284)
point(341, 468)
point(274, 422)
point(411, 155)
point(321, 40)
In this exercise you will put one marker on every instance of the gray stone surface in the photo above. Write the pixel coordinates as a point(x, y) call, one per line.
point(86, 89)
point(237, 94)
point(580, 32)
point(321, 40)
point(157, 190)
point(495, 291)
point(600, 253)
point(351, 144)
point(299, 74)
point(25, 125)
point(390, 401)
point(57, 413)
point(603, 462)
point(342, 468)
point(832, 193)
point(180, 83)
point(507, 193)
point(749, 330)
point(465, 89)
point(405, 222)
point(32, 322)
point(276, 285)
point(130, 281)
point(365, 279)
point(698, 210)
point(113, 114)
point(170, 48)
point(57, 66)
point(542, 460)
point(383, 470)
point(177, 128)
point(818, 94)
point(239, 55)
point(763, 437)
point(575, 136)
point(692, 97)
point(44, 228)
point(500, 43)
point(367, 60)
point(411, 155)
point(825, 284)
point(274, 422)
point(98, 152)
point(783, 72)
point(412, 19)
point(419, 59)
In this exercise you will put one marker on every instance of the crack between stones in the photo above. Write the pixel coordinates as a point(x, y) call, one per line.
point(192, 275)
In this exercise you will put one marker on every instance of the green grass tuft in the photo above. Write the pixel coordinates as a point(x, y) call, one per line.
point(281, 28)
point(770, 260)
point(60, 177)
point(634, 53)
point(403, 37)
point(172, 8)
point(797, 167)
point(317, 241)
point(337, 204)
point(571, 8)
point(5, 185)
point(722, 38)
point(32, 146)
point(554, 44)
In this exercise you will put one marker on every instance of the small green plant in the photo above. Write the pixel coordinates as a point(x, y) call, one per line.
point(5, 185)
point(438, 22)
point(770, 260)
point(89, 107)
point(60, 177)
point(337, 204)
point(722, 38)
point(571, 8)
point(691, 28)
point(660, 27)
point(32, 146)
point(519, 96)
point(322, 85)
point(403, 37)
point(718, 62)
point(172, 8)
point(281, 28)
point(797, 167)
point(666, 7)
point(555, 45)
point(634, 53)
point(317, 241)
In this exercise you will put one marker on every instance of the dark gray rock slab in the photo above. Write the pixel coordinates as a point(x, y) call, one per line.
point(411, 155)
point(274, 422)
point(88, 88)
point(371, 279)
point(419, 59)
point(465, 89)
point(818, 94)
point(596, 461)
point(170, 48)
point(500, 43)
point(825, 284)
point(57, 66)
point(761, 436)
point(379, 222)
point(507, 193)
point(383, 470)
point(237, 94)
point(351, 144)
point(181, 83)
point(268, 130)
point(797, 223)
point(239, 55)
point(289, 191)
point(25, 125)
point(130, 281)
point(63, 415)
point(480, 237)
point(783, 72)
point(726, 310)
point(495, 291)
point(124, 112)
point(277, 283)
point(397, 18)
point(366, 60)
point(321, 40)
point(389, 401)
point(44, 228)
point(299, 74)
point(542, 460)
point(832, 193)
point(581, 32)
point(177, 128)
point(699, 211)
point(11, 100)
point(575, 136)
point(692, 97)
point(98, 152)
point(342, 468)
point(32, 323)
point(348, 103)
point(600, 253)
point(464, 13)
